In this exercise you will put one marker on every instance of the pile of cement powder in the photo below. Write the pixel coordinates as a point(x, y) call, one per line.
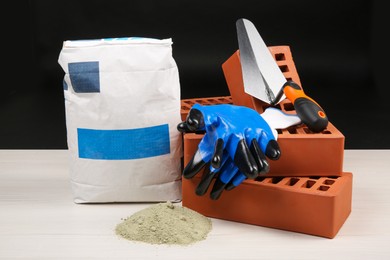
point(165, 223)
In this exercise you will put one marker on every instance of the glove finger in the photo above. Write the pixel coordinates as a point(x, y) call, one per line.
point(225, 176)
point(194, 166)
point(209, 174)
point(272, 150)
point(259, 157)
point(237, 180)
point(183, 128)
point(245, 161)
point(204, 184)
point(195, 120)
point(218, 187)
point(216, 160)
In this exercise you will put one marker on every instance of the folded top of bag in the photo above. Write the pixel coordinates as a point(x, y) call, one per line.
point(115, 41)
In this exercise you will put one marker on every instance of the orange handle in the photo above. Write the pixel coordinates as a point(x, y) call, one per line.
point(308, 110)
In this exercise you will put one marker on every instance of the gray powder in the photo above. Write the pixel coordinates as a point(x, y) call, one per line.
point(165, 223)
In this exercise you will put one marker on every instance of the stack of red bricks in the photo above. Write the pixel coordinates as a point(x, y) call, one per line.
point(305, 191)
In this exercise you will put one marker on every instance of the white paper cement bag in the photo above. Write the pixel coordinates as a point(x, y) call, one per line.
point(122, 100)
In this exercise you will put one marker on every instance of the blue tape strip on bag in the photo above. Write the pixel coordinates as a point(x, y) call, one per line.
point(65, 85)
point(84, 76)
point(123, 144)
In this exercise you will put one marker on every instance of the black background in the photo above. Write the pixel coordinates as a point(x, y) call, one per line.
point(338, 48)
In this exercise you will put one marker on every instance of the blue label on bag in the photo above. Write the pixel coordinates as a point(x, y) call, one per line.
point(84, 76)
point(123, 144)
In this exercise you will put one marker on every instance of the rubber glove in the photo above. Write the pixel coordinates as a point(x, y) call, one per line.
point(236, 144)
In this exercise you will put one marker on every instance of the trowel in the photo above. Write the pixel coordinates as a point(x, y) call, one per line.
point(264, 80)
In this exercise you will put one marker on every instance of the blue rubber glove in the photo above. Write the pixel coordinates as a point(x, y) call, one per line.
point(235, 145)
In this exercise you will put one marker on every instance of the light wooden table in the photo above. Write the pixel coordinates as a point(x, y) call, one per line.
point(38, 219)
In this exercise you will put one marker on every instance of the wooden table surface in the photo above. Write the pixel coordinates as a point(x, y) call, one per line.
point(39, 220)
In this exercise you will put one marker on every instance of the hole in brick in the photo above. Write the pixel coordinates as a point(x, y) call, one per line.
point(276, 180)
point(260, 179)
point(308, 184)
point(333, 177)
point(184, 108)
point(308, 131)
point(200, 101)
point(329, 182)
point(314, 177)
point(292, 181)
point(189, 102)
point(288, 78)
point(212, 101)
point(284, 68)
point(323, 188)
point(288, 107)
point(225, 100)
point(292, 130)
point(280, 56)
point(280, 131)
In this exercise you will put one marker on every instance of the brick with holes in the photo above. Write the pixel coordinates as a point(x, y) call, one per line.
point(311, 205)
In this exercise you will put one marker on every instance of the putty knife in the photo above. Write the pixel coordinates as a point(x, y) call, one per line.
point(277, 119)
point(264, 80)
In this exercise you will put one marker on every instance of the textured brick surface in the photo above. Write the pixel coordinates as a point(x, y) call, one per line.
point(316, 205)
point(186, 104)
